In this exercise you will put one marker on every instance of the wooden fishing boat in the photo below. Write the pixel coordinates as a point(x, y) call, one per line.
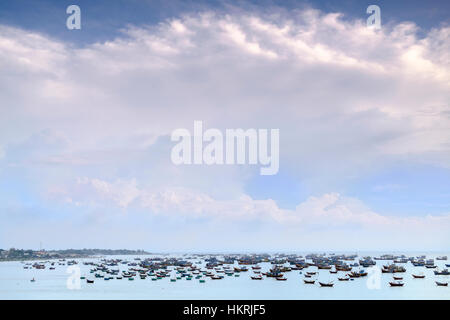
point(398, 278)
point(281, 279)
point(343, 268)
point(273, 274)
point(89, 281)
point(335, 271)
point(353, 275)
point(444, 272)
point(343, 279)
point(442, 284)
point(418, 276)
point(323, 284)
point(256, 277)
point(396, 284)
point(309, 281)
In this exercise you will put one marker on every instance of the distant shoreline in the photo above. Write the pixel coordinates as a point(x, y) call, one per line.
point(27, 255)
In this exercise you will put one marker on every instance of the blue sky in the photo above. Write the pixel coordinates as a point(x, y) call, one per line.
point(363, 117)
point(103, 19)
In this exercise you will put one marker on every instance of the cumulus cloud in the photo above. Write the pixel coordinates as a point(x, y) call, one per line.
point(325, 211)
point(239, 69)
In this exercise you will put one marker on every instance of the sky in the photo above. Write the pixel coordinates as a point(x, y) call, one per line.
point(87, 116)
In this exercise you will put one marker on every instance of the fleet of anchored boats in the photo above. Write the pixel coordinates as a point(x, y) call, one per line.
point(217, 267)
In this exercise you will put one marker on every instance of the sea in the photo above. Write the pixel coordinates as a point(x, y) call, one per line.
point(15, 283)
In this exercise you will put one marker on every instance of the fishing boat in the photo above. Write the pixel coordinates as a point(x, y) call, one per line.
point(343, 268)
point(398, 278)
point(323, 284)
point(444, 272)
point(396, 284)
point(442, 284)
point(418, 276)
point(353, 274)
point(281, 278)
point(259, 277)
point(89, 281)
point(33, 280)
point(393, 269)
point(309, 281)
point(274, 273)
point(343, 279)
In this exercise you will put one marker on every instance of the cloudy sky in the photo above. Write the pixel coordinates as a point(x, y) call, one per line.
point(363, 114)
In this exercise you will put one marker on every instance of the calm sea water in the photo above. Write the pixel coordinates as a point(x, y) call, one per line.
point(52, 284)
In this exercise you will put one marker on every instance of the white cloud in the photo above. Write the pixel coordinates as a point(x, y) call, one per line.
point(328, 210)
point(296, 72)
